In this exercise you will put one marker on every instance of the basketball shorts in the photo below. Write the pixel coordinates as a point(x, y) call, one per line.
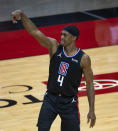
point(65, 107)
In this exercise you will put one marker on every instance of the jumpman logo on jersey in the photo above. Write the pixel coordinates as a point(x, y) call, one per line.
point(63, 68)
point(59, 55)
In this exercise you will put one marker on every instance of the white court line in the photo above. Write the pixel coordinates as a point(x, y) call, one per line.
point(93, 15)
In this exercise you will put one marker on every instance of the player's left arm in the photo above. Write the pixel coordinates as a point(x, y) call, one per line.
point(88, 75)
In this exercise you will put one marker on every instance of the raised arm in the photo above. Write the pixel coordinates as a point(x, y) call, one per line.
point(88, 75)
point(45, 41)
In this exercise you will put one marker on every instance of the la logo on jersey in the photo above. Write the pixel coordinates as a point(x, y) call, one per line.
point(63, 68)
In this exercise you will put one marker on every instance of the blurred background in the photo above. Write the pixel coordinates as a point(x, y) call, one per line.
point(97, 21)
point(37, 8)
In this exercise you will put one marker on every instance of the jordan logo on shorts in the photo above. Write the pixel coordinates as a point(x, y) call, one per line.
point(63, 68)
point(73, 100)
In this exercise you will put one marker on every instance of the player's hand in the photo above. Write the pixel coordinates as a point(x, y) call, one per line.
point(91, 118)
point(16, 15)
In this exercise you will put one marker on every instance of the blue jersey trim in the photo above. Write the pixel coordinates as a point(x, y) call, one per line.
point(70, 56)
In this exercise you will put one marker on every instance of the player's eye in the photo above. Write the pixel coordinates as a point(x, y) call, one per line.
point(64, 34)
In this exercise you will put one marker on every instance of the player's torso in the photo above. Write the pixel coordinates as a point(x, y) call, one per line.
point(65, 72)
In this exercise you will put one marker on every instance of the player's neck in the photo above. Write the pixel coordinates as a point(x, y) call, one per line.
point(70, 50)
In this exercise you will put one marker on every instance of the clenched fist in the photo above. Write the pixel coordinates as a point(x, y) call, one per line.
point(16, 15)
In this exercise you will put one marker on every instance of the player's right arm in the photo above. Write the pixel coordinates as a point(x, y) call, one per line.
point(45, 41)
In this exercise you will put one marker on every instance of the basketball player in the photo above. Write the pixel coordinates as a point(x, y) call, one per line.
point(67, 63)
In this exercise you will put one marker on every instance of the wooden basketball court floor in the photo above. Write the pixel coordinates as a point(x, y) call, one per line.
point(22, 113)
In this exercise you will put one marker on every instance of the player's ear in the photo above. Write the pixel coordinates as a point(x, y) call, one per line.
point(74, 38)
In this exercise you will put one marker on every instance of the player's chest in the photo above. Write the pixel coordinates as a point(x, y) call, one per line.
point(63, 64)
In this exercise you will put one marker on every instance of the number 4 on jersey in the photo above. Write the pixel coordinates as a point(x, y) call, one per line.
point(60, 79)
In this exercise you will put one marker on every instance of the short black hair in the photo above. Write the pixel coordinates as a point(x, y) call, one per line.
point(72, 29)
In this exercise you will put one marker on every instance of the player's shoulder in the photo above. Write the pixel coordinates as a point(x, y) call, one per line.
point(85, 60)
point(85, 56)
point(53, 46)
point(53, 41)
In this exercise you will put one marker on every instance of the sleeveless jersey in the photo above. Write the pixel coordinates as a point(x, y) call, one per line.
point(65, 73)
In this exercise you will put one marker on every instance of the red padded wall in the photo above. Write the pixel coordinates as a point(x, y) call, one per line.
point(93, 34)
